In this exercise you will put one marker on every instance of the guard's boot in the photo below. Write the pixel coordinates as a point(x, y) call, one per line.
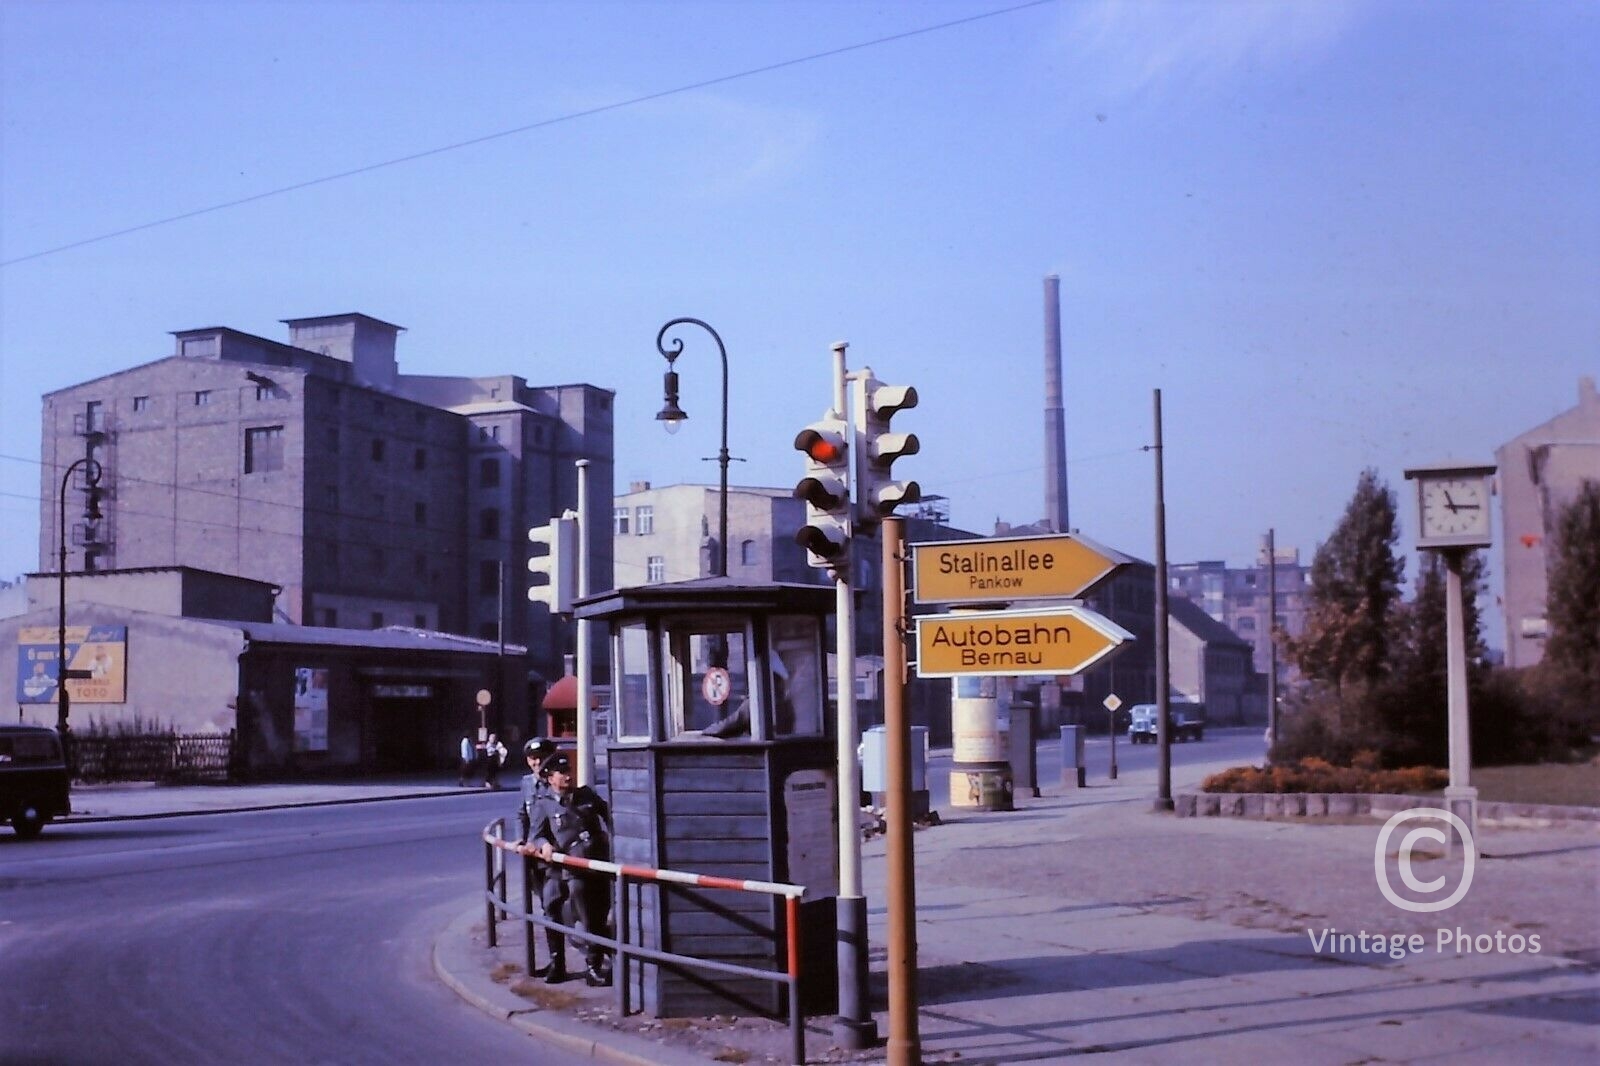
point(554, 971)
point(598, 975)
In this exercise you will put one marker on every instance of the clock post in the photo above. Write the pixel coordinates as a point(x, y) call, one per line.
point(1453, 519)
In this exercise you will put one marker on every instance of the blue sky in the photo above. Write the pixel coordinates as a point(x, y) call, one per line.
point(1335, 235)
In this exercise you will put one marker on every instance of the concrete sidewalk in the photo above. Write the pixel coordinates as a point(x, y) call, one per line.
point(144, 799)
point(1085, 923)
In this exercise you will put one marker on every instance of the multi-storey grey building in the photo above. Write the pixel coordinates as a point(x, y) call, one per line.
point(367, 496)
point(1540, 472)
point(1237, 597)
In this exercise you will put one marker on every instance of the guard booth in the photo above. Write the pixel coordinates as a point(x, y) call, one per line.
point(721, 763)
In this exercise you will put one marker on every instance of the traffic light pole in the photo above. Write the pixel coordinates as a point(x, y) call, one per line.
point(585, 703)
point(855, 1027)
point(1163, 668)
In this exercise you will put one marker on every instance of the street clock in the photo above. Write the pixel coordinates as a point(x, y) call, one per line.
point(1453, 505)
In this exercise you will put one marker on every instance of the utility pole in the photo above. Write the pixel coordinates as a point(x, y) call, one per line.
point(1272, 642)
point(1163, 673)
point(585, 716)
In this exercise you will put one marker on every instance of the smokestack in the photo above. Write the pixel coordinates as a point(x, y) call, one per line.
point(1055, 425)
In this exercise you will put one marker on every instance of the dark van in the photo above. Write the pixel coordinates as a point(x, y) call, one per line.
point(33, 778)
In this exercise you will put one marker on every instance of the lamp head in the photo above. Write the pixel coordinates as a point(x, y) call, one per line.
point(670, 414)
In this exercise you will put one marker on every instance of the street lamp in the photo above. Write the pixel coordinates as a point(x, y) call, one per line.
point(671, 414)
point(91, 478)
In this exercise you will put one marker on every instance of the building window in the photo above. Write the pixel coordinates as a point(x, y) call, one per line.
point(494, 432)
point(200, 347)
point(489, 523)
point(619, 521)
point(644, 519)
point(655, 569)
point(377, 619)
point(377, 449)
point(379, 563)
point(94, 416)
point(330, 556)
point(419, 564)
point(419, 459)
point(488, 577)
point(747, 553)
point(420, 513)
point(420, 621)
point(489, 473)
point(265, 392)
point(330, 617)
point(141, 403)
point(202, 397)
point(263, 449)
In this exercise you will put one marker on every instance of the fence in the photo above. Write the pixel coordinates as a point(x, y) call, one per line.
point(151, 757)
point(497, 904)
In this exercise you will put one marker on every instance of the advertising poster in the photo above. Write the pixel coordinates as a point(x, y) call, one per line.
point(101, 651)
point(310, 709)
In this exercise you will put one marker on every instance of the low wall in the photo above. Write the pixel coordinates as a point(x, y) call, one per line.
point(1369, 805)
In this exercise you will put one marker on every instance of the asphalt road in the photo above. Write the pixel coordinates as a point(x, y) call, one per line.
point(294, 936)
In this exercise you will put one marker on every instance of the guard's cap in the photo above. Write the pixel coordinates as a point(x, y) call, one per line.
point(538, 748)
point(552, 763)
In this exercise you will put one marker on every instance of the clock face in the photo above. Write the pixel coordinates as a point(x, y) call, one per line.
point(1455, 507)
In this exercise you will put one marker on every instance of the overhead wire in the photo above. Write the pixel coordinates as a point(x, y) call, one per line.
point(571, 116)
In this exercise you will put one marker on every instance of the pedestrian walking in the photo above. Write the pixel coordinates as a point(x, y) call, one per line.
point(469, 761)
point(494, 753)
point(574, 821)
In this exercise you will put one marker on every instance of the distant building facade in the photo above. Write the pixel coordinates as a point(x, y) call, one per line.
point(1210, 664)
point(195, 652)
point(1237, 597)
point(1540, 472)
point(368, 498)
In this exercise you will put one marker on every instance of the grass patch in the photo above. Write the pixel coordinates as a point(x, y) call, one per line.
point(1563, 784)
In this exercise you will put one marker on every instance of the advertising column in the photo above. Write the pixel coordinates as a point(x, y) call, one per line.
point(980, 774)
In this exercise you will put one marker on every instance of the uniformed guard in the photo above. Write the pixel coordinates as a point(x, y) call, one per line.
point(535, 788)
point(574, 821)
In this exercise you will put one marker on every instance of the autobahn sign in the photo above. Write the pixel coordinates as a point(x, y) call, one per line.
point(1001, 569)
point(1053, 640)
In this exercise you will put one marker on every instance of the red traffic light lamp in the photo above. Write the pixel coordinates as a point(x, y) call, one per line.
point(825, 488)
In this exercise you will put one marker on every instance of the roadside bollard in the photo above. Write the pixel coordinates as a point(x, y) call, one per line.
point(1074, 773)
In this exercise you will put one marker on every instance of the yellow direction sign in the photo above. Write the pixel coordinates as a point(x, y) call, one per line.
point(1006, 568)
point(1056, 640)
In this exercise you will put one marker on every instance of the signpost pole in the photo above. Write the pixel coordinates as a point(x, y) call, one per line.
point(585, 714)
point(904, 1045)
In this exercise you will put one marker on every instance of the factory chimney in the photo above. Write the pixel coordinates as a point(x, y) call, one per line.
point(1055, 428)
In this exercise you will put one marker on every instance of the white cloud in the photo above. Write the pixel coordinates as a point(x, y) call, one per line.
point(1137, 47)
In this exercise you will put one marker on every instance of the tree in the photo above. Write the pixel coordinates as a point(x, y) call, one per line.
point(1573, 603)
point(1355, 586)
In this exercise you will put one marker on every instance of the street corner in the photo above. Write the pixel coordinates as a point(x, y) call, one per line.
point(585, 1020)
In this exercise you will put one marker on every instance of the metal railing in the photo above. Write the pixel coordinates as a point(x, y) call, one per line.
point(171, 757)
point(498, 907)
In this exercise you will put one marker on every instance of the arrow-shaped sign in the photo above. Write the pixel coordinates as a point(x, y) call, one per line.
point(994, 569)
point(1057, 640)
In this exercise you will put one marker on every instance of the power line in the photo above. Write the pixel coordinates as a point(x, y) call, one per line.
point(570, 116)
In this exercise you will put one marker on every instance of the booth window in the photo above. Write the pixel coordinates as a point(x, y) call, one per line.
point(710, 670)
point(632, 652)
point(797, 682)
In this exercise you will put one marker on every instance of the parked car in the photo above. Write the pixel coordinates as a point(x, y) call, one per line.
point(34, 786)
point(1185, 721)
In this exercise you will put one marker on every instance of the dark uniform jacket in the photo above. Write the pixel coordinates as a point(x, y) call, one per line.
point(534, 788)
point(577, 824)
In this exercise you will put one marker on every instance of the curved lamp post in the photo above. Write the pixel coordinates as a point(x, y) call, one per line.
point(671, 414)
point(91, 478)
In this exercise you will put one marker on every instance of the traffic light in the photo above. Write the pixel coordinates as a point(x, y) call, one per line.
point(559, 564)
point(826, 534)
point(877, 493)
